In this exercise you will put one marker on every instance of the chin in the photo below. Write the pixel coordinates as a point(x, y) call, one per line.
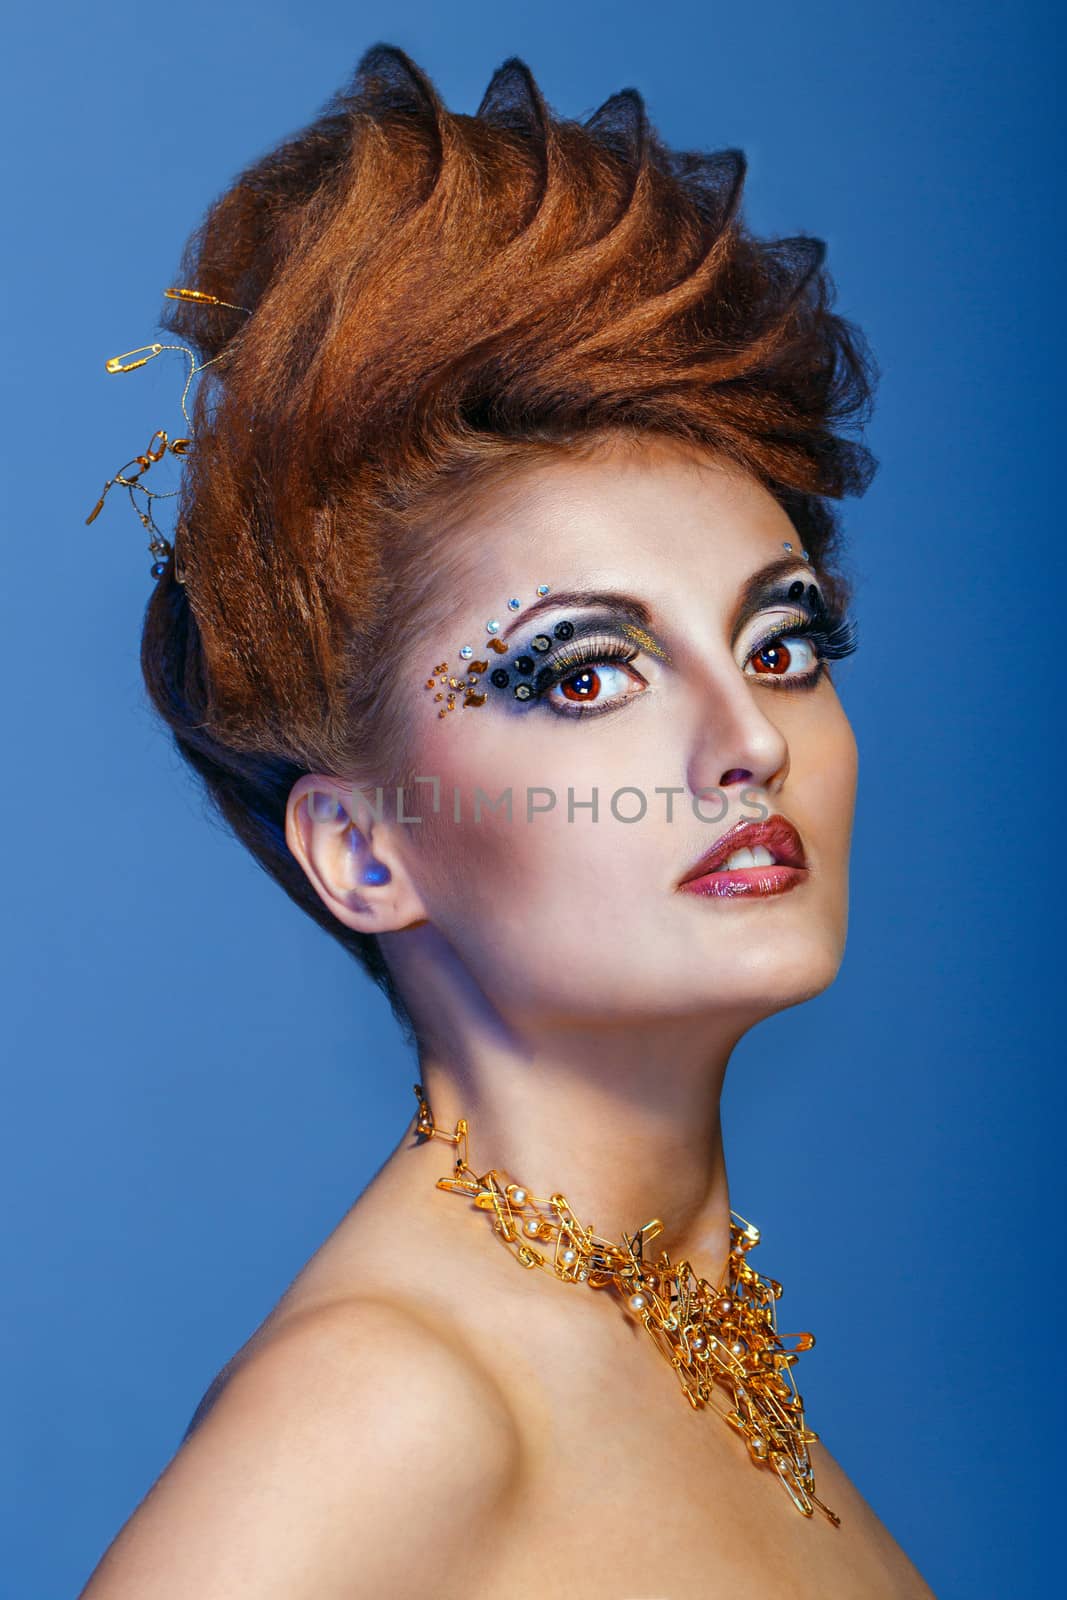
point(766, 975)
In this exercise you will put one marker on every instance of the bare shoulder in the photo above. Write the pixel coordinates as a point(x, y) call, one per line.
point(352, 1452)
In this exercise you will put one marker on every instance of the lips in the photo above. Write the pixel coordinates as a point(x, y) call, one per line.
point(776, 861)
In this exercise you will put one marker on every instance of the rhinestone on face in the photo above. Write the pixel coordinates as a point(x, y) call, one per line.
point(513, 604)
point(804, 556)
point(542, 589)
point(466, 652)
point(492, 626)
point(787, 546)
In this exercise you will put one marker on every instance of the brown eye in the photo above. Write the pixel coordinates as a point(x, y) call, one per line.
point(774, 658)
point(600, 686)
point(582, 686)
point(784, 657)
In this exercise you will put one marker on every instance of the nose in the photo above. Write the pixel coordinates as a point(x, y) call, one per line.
point(736, 744)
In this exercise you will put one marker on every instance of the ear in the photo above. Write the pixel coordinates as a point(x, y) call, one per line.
point(333, 833)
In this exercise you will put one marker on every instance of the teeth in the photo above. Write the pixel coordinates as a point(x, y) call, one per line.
point(760, 856)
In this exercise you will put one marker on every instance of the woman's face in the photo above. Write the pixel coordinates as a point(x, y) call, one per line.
point(561, 914)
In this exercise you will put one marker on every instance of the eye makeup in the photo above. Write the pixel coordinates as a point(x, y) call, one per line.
point(598, 652)
point(791, 651)
point(821, 629)
point(613, 600)
point(532, 669)
point(445, 685)
point(564, 653)
point(585, 656)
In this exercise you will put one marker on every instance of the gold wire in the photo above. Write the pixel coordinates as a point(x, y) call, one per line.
point(131, 481)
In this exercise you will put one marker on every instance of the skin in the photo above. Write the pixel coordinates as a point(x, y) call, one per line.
point(573, 1005)
point(419, 1414)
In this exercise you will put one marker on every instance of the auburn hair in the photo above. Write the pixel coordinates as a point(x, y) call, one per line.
point(436, 299)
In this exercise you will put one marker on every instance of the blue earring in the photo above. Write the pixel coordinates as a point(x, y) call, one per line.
point(376, 872)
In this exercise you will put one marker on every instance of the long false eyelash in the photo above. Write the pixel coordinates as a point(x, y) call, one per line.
point(833, 634)
point(592, 649)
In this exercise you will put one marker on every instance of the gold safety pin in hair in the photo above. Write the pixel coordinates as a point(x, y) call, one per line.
point(202, 298)
point(129, 476)
point(122, 363)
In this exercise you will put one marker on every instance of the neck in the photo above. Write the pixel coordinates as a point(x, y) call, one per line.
point(624, 1123)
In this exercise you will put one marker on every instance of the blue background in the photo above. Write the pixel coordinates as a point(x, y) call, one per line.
point(200, 1082)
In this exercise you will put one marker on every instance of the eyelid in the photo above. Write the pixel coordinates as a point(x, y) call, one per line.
point(584, 649)
point(794, 618)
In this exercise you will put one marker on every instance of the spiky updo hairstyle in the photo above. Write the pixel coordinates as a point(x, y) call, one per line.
point(436, 300)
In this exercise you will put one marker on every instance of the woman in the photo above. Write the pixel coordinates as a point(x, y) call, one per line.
point(499, 626)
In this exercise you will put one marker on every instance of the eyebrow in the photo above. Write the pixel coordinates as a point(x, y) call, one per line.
point(625, 605)
point(753, 596)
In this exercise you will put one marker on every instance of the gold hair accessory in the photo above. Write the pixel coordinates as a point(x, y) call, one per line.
point(129, 476)
point(725, 1335)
